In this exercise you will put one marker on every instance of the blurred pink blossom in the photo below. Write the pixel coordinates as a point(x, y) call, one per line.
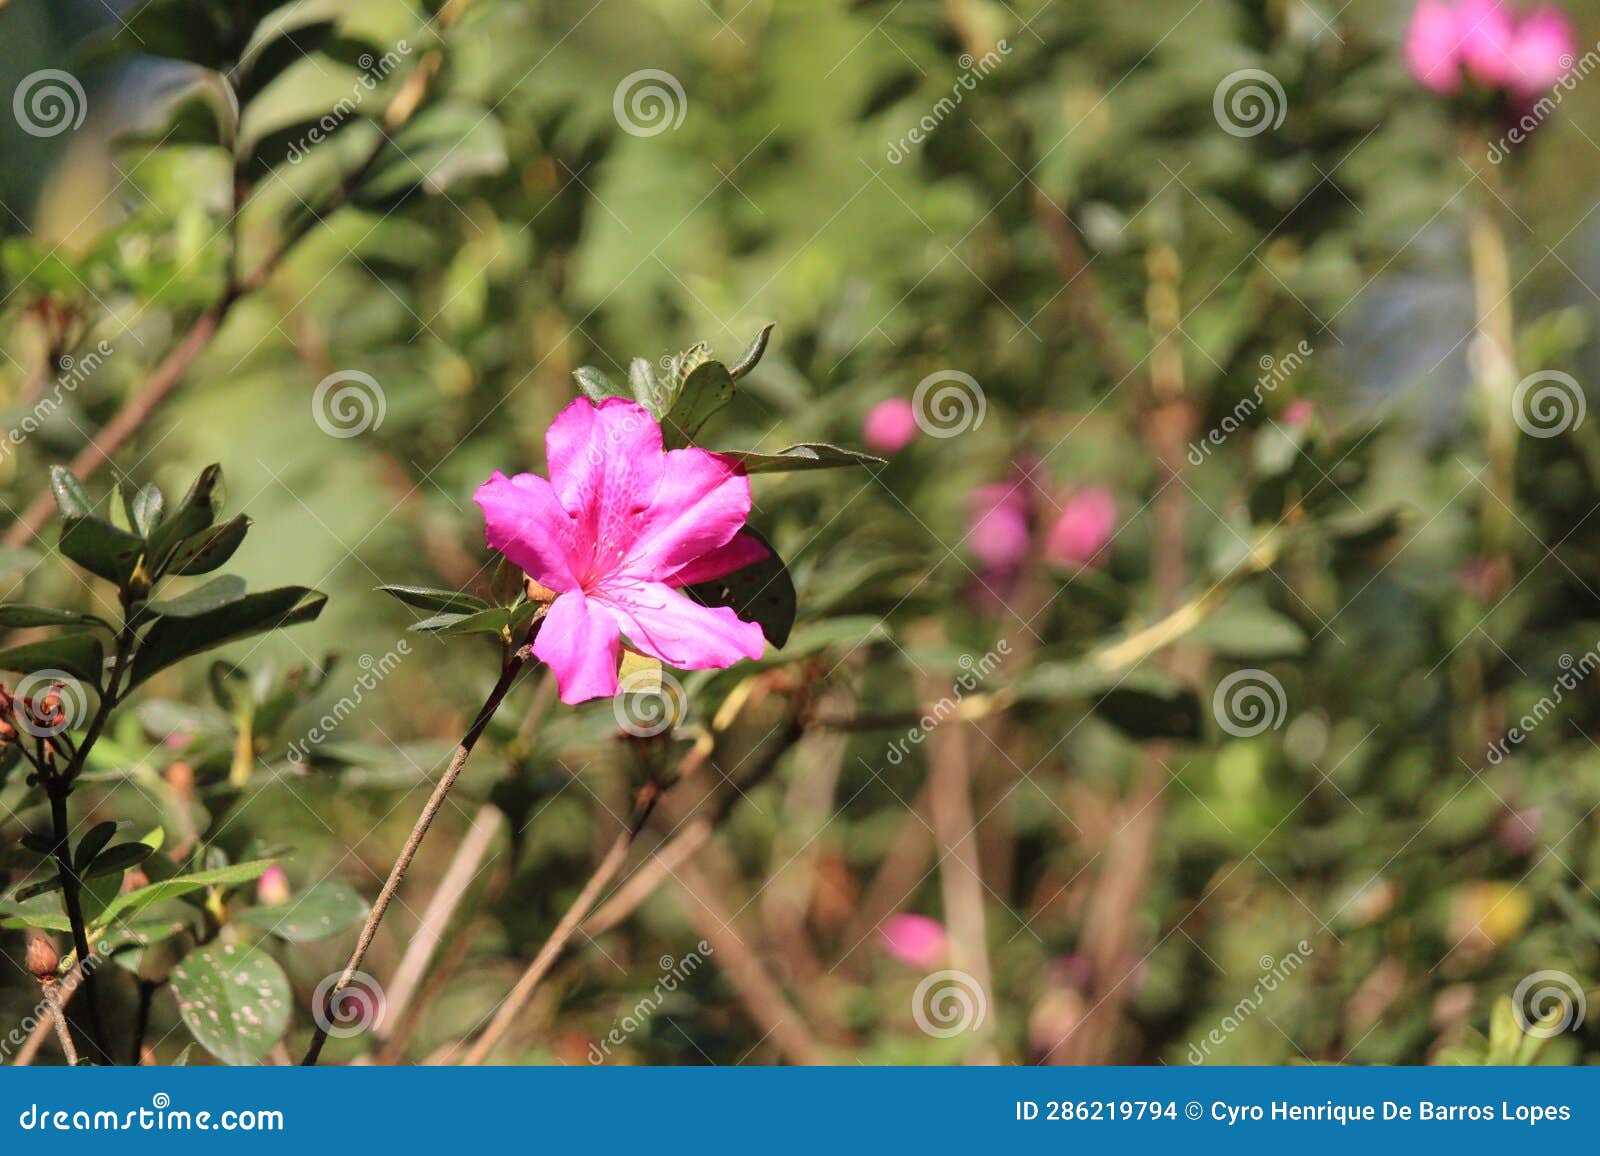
point(1298, 412)
point(1083, 527)
point(1541, 52)
point(998, 532)
point(914, 940)
point(890, 426)
point(1486, 42)
point(272, 889)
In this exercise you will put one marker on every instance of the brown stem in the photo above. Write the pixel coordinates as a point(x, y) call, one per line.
point(508, 675)
point(529, 982)
point(70, 885)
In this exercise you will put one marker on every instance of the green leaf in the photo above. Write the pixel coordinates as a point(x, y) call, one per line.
point(316, 913)
point(596, 385)
point(129, 905)
point(43, 887)
point(752, 355)
point(196, 512)
point(435, 598)
point(72, 500)
point(203, 552)
point(495, 620)
point(214, 595)
point(20, 615)
point(79, 655)
point(172, 639)
point(647, 391)
point(101, 548)
point(117, 859)
point(762, 593)
point(707, 389)
point(1149, 705)
point(234, 1000)
point(805, 456)
point(1250, 631)
point(444, 144)
point(92, 844)
point(145, 509)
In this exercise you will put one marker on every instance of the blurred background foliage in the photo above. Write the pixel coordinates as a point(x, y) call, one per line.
point(1083, 238)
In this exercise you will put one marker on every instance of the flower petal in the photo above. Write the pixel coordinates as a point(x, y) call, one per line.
point(605, 465)
point(523, 520)
point(679, 631)
point(702, 502)
point(739, 551)
point(579, 642)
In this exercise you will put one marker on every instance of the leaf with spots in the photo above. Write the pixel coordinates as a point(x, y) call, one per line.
point(234, 1000)
point(316, 913)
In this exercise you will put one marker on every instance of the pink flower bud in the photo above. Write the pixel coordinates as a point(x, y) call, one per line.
point(889, 426)
point(998, 524)
point(1298, 413)
point(1541, 52)
point(914, 940)
point(1083, 527)
point(272, 889)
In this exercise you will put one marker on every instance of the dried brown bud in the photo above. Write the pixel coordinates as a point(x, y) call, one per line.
point(42, 957)
point(538, 593)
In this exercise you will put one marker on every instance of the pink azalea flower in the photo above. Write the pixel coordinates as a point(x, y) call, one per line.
point(1485, 31)
point(914, 940)
point(1083, 528)
point(618, 529)
point(890, 426)
point(1541, 52)
point(998, 524)
point(1432, 45)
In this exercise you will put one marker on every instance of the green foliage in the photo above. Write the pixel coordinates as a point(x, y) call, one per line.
point(235, 1001)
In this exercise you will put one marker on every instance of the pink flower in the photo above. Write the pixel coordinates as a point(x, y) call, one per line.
point(998, 524)
point(1541, 52)
point(1299, 412)
point(1083, 528)
point(1484, 31)
point(1432, 46)
point(890, 426)
point(914, 940)
point(618, 529)
point(272, 889)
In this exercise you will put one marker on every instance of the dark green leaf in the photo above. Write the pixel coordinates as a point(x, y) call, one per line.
point(196, 512)
point(707, 389)
point(235, 1001)
point(145, 509)
point(42, 842)
point(173, 639)
point(203, 552)
point(806, 456)
point(495, 620)
point(752, 355)
point(213, 595)
point(434, 598)
point(762, 593)
point(79, 655)
point(21, 615)
point(316, 913)
point(43, 887)
point(101, 548)
point(119, 858)
point(92, 844)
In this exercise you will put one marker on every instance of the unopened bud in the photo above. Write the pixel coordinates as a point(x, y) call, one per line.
point(42, 957)
point(272, 889)
point(180, 777)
